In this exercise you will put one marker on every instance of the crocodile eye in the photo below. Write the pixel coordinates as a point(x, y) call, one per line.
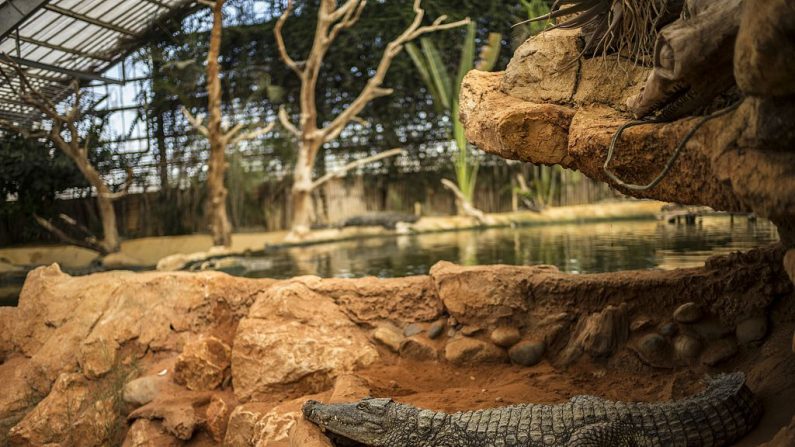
point(361, 406)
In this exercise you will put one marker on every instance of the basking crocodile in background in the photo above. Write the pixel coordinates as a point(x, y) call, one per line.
point(720, 415)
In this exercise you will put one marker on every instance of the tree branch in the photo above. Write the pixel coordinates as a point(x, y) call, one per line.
point(277, 31)
point(196, 122)
point(285, 120)
point(466, 207)
point(47, 225)
point(373, 88)
point(355, 164)
point(124, 190)
point(251, 135)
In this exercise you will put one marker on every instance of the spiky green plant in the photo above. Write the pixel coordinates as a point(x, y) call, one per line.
point(445, 90)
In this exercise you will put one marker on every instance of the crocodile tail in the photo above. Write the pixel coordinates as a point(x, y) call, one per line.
point(720, 415)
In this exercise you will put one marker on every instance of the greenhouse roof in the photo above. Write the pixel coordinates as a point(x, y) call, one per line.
point(56, 41)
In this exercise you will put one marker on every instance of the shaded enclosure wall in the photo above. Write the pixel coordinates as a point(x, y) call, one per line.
point(265, 205)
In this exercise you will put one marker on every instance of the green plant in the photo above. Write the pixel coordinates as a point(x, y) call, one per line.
point(445, 92)
point(535, 8)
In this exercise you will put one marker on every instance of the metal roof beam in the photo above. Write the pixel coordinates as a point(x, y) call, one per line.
point(87, 19)
point(14, 12)
point(73, 73)
point(160, 4)
point(63, 49)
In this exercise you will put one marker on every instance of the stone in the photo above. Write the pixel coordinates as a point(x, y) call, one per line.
point(418, 348)
point(711, 329)
point(599, 335)
point(147, 433)
point(295, 336)
point(181, 415)
point(687, 347)
point(784, 438)
point(688, 313)
point(505, 336)
point(470, 330)
point(436, 330)
point(527, 353)
point(240, 427)
point(640, 323)
point(789, 264)
point(142, 390)
point(388, 336)
point(764, 49)
point(751, 330)
point(411, 299)
point(217, 418)
point(471, 351)
point(668, 329)
point(484, 295)
point(97, 357)
point(412, 329)
point(719, 351)
point(202, 364)
point(653, 349)
point(69, 412)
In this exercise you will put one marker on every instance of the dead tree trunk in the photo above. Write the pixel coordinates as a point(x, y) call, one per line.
point(64, 134)
point(216, 191)
point(219, 138)
point(332, 19)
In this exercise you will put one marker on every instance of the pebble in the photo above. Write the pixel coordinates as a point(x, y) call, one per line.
point(142, 391)
point(687, 347)
point(654, 350)
point(468, 351)
point(416, 348)
point(711, 330)
point(470, 330)
point(451, 332)
point(436, 330)
point(505, 336)
point(527, 353)
point(668, 329)
point(412, 330)
point(389, 337)
point(688, 313)
point(719, 351)
point(751, 330)
point(639, 324)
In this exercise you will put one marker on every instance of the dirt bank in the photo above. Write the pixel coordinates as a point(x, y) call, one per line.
point(209, 359)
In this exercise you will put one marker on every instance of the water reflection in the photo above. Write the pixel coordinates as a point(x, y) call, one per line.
point(575, 248)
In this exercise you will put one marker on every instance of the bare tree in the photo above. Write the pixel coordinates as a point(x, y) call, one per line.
point(331, 20)
point(220, 139)
point(63, 132)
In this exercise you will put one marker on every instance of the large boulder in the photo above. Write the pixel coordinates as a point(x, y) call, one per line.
point(546, 69)
point(296, 339)
point(400, 300)
point(71, 413)
point(485, 295)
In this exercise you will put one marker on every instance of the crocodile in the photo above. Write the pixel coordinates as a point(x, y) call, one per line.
point(718, 416)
